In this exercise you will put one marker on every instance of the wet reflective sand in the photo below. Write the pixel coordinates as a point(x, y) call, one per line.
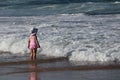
point(57, 69)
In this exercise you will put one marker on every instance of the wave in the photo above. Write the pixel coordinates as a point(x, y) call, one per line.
point(34, 8)
point(18, 3)
point(54, 7)
point(37, 2)
point(76, 36)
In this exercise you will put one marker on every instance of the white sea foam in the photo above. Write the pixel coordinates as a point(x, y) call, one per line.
point(80, 37)
point(117, 2)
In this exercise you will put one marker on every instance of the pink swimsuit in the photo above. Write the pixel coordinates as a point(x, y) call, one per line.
point(33, 42)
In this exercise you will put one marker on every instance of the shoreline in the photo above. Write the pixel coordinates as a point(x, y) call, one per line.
point(47, 60)
point(55, 61)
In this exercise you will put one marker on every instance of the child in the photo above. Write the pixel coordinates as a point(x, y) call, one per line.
point(33, 44)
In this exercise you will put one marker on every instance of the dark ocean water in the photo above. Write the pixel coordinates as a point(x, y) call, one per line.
point(46, 7)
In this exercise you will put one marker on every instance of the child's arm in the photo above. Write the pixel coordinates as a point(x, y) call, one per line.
point(37, 42)
point(28, 42)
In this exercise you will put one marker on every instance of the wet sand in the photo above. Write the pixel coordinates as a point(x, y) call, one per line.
point(56, 69)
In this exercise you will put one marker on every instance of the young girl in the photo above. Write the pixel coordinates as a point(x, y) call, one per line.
point(33, 44)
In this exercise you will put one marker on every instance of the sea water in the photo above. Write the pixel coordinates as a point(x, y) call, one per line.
point(82, 30)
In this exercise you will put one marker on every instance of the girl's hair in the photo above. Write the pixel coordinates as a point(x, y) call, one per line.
point(34, 30)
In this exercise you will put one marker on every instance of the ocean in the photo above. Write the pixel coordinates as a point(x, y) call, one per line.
point(81, 30)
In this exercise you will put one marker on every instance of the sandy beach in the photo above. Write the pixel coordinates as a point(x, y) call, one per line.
point(57, 69)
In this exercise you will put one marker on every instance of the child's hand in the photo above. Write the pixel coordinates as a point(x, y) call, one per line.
point(39, 46)
point(28, 47)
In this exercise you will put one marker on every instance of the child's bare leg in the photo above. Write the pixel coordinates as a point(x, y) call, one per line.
point(31, 54)
point(34, 54)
